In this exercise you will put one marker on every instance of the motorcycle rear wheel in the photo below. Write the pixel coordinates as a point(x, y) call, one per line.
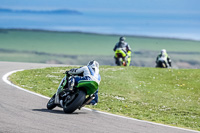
point(75, 104)
point(51, 104)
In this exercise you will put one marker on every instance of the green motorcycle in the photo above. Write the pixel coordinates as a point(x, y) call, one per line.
point(76, 97)
point(122, 58)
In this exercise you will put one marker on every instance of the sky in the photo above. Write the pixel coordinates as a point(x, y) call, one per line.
point(191, 6)
point(183, 15)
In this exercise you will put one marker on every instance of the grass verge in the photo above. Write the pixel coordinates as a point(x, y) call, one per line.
point(167, 96)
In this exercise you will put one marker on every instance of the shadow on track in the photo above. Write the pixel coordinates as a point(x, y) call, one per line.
point(57, 111)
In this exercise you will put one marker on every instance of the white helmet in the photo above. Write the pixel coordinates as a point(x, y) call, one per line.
point(163, 51)
point(94, 64)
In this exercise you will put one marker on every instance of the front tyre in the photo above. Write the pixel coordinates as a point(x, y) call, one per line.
point(118, 62)
point(75, 104)
point(51, 104)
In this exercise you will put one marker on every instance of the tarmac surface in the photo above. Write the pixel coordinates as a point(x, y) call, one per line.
point(23, 112)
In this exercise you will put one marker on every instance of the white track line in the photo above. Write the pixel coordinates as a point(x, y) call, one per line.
point(5, 79)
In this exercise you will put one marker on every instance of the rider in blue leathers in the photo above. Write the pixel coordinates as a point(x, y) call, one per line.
point(89, 72)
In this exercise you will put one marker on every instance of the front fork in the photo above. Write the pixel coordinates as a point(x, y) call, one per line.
point(65, 84)
point(60, 89)
point(62, 84)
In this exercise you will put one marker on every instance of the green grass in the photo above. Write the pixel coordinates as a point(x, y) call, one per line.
point(57, 47)
point(86, 44)
point(167, 96)
point(41, 47)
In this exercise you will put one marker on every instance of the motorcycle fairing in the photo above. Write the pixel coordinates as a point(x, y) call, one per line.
point(90, 86)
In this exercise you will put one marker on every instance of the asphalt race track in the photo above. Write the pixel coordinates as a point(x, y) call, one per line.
point(23, 112)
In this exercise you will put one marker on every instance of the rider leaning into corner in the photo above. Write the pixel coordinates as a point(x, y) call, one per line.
point(163, 56)
point(89, 72)
point(125, 47)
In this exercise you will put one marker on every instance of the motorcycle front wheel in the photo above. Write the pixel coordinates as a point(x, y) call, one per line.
point(76, 102)
point(51, 104)
point(118, 62)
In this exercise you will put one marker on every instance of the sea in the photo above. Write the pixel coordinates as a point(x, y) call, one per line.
point(151, 24)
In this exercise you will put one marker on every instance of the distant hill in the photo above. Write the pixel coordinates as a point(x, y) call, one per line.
point(59, 11)
point(76, 48)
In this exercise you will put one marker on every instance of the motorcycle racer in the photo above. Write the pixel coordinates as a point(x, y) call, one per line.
point(89, 72)
point(163, 57)
point(125, 50)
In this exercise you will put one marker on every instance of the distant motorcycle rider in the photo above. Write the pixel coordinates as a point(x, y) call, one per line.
point(163, 58)
point(89, 72)
point(125, 48)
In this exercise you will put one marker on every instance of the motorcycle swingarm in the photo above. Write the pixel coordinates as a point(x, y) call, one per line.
point(87, 101)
